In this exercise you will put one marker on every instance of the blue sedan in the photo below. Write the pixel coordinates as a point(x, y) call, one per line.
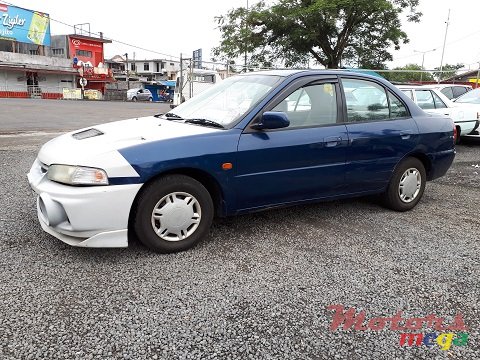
point(252, 142)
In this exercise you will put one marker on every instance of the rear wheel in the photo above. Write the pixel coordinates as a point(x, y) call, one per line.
point(457, 140)
point(173, 214)
point(406, 185)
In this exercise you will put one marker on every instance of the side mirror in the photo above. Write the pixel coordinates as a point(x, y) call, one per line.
point(272, 120)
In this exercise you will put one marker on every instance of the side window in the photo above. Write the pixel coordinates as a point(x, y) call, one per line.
point(311, 105)
point(458, 90)
point(409, 93)
point(365, 100)
point(448, 92)
point(397, 109)
point(425, 99)
point(439, 104)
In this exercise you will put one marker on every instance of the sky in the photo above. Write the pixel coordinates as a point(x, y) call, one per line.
point(181, 26)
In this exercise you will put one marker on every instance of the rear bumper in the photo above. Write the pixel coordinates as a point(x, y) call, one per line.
point(441, 162)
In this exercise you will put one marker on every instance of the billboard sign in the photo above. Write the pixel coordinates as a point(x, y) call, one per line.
point(24, 25)
point(197, 59)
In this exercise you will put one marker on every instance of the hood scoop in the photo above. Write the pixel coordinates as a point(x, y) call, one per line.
point(85, 134)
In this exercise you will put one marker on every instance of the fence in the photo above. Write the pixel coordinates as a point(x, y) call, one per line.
point(30, 91)
point(43, 92)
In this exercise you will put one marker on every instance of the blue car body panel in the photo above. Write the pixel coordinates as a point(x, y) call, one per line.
point(275, 168)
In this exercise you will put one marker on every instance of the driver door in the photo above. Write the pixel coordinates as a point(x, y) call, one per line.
point(303, 161)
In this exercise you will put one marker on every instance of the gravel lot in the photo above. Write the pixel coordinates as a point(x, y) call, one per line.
point(258, 288)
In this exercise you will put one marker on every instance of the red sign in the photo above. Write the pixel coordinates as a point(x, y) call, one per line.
point(88, 51)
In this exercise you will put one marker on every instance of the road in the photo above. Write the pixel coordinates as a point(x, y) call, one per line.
point(257, 288)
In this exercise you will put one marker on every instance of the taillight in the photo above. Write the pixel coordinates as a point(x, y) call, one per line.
point(455, 134)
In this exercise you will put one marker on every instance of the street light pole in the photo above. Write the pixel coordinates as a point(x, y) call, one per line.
point(443, 50)
point(423, 60)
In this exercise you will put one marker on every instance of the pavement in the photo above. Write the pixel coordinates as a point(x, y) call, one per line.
point(258, 287)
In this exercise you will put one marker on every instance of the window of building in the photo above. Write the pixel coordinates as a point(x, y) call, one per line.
point(84, 53)
point(172, 64)
point(313, 105)
point(58, 52)
point(158, 66)
point(146, 66)
point(134, 68)
point(162, 65)
point(33, 52)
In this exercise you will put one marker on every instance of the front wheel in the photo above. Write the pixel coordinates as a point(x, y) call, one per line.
point(173, 213)
point(406, 185)
point(150, 99)
point(134, 99)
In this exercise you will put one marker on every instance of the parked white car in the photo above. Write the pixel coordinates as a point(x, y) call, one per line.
point(451, 91)
point(139, 95)
point(431, 100)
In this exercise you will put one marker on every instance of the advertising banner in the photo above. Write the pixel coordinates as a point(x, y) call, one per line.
point(24, 25)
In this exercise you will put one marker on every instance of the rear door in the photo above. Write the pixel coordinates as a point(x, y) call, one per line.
point(304, 161)
point(381, 133)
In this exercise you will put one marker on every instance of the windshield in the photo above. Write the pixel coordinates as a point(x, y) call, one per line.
point(228, 101)
point(471, 97)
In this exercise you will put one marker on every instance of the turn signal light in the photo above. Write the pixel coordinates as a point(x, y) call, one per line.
point(227, 166)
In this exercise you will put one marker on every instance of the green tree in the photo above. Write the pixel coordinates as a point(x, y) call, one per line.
point(449, 71)
point(406, 76)
point(333, 32)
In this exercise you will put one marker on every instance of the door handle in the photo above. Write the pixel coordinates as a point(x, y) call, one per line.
point(406, 134)
point(332, 141)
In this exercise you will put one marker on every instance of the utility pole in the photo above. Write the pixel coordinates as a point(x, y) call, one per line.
point(423, 60)
point(126, 71)
point(180, 83)
point(478, 75)
point(443, 50)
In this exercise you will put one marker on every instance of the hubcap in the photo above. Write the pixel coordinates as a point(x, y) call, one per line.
point(410, 184)
point(176, 216)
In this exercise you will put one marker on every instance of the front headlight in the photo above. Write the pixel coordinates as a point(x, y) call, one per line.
point(77, 175)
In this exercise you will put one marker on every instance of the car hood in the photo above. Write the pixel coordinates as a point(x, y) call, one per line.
point(102, 150)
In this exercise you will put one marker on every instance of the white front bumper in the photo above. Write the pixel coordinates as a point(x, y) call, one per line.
point(90, 216)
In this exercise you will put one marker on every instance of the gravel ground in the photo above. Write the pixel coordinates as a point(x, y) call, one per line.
point(257, 288)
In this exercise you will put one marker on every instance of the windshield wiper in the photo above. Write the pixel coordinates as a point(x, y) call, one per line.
point(170, 116)
point(205, 122)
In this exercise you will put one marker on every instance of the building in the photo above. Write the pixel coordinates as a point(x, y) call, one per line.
point(471, 77)
point(86, 56)
point(27, 67)
point(35, 64)
point(144, 70)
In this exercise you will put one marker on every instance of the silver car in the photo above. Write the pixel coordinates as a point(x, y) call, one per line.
point(139, 95)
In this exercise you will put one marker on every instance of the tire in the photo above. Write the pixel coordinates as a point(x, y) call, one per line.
point(150, 99)
point(134, 99)
point(458, 139)
point(186, 208)
point(411, 172)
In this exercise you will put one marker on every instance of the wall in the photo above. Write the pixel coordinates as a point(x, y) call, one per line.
point(53, 63)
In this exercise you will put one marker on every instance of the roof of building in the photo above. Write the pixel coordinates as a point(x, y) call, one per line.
point(90, 38)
